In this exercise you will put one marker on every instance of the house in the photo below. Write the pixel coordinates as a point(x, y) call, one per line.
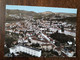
point(46, 46)
point(35, 40)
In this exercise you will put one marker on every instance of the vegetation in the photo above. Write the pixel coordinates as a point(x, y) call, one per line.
point(6, 50)
point(37, 17)
point(49, 53)
point(9, 41)
point(35, 45)
point(69, 17)
point(62, 38)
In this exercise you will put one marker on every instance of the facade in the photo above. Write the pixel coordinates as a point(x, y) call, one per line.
point(25, 49)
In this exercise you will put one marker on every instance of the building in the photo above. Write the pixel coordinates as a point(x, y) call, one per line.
point(32, 51)
point(47, 46)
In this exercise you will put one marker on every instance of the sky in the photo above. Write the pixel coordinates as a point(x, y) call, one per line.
point(40, 9)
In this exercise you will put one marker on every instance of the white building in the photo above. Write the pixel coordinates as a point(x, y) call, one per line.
point(47, 46)
point(25, 49)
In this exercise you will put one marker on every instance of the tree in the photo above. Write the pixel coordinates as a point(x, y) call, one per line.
point(9, 41)
point(29, 41)
point(6, 50)
point(13, 55)
point(62, 28)
point(57, 43)
point(32, 44)
point(51, 50)
point(37, 45)
point(55, 53)
point(62, 38)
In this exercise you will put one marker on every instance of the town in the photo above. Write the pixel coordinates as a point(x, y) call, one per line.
point(40, 38)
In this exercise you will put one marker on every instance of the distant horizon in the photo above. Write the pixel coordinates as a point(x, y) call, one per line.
point(42, 12)
point(39, 9)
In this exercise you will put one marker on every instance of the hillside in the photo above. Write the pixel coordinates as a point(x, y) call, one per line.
point(14, 15)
